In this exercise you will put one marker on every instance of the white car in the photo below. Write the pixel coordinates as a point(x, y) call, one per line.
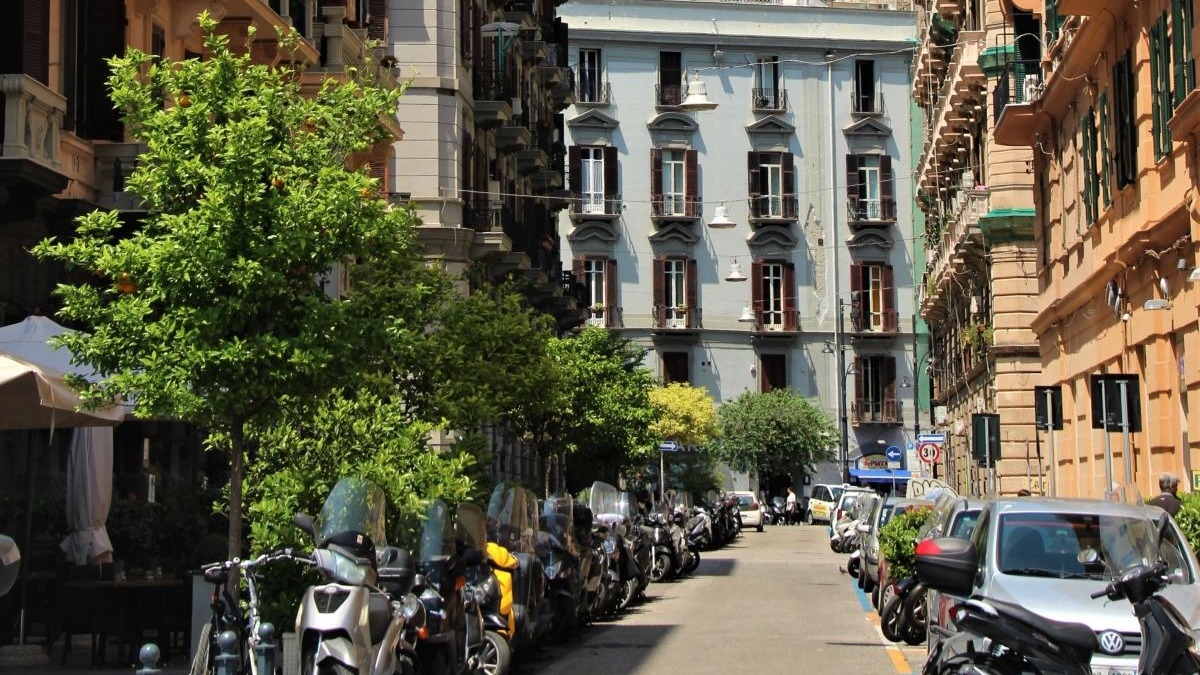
point(821, 500)
point(750, 510)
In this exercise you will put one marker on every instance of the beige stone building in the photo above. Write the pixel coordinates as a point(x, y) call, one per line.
point(1112, 129)
point(978, 289)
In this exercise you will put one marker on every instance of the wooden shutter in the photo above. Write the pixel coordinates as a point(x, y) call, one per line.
point(852, 176)
point(856, 275)
point(756, 291)
point(377, 20)
point(790, 320)
point(789, 185)
point(753, 180)
point(656, 180)
point(33, 22)
point(105, 27)
point(890, 413)
point(610, 173)
point(890, 319)
point(692, 286)
point(859, 387)
point(693, 183)
point(887, 189)
point(660, 291)
point(575, 173)
point(610, 293)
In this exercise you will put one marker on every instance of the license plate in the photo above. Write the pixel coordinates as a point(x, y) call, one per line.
point(1101, 670)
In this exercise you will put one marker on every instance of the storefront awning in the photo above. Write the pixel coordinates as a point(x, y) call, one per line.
point(880, 475)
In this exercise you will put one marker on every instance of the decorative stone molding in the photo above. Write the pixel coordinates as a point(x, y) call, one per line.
point(1006, 226)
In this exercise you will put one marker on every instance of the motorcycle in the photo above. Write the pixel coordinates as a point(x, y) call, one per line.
point(557, 550)
point(363, 619)
point(638, 544)
point(902, 618)
point(513, 522)
point(485, 649)
point(614, 515)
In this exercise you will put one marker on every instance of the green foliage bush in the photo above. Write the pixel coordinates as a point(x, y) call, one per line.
point(1188, 518)
point(898, 539)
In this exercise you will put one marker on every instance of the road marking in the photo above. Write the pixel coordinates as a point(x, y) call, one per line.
point(899, 661)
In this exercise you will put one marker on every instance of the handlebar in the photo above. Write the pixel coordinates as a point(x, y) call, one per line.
point(251, 563)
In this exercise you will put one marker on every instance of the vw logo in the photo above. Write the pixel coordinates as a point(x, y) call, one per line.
point(1111, 642)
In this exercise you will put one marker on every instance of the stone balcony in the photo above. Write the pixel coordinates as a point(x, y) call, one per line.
point(961, 92)
point(959, 238)
point(33, 118)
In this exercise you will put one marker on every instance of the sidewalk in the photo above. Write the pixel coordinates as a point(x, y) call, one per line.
point(79, 662)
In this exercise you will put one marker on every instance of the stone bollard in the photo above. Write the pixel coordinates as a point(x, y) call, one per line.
point(149, 655)
point(265, 649)
point(228, 660)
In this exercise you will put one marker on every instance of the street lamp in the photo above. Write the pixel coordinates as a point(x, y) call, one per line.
point(839, 346)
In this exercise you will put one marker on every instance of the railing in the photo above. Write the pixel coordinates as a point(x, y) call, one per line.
point(668, 94)
point(769, 99)
point(590, 204)
point(766, 207)
point(959, 224)
point(879, 321)
point(33, 118)
point(871, 210)
point(776, 320)
point(343, 47)
point(875, 411)
point(674, 317)
point(492, 85)
point(1020, 82)
point(679, 206)
point(592, 91)
point(869, 102)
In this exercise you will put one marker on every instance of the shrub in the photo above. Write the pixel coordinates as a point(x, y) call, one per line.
point(898, 539)
point(1188, 518)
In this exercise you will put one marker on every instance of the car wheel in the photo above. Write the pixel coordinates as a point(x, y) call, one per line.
point(808, 518)
point(875, 598)
point(760, 526)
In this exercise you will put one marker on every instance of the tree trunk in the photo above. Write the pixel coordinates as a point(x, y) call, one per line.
point(237, 436)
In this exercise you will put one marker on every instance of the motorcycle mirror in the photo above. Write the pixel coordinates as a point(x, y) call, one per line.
point(1088, 556)
point(305, 522)
point(419, 582)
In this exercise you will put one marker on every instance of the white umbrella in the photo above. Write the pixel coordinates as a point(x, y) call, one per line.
point(89, 494)
point(36, 397)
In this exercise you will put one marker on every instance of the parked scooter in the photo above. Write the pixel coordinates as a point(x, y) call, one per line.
point(10, 563)
point(637, 542)
point(513, 513)
point(363, 619)
point(485, 645)
point(557, 550)
point(614, 515)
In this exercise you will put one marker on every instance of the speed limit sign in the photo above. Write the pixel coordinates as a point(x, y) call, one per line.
point(929, 452)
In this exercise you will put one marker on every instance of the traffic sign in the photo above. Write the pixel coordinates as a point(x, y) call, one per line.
point(893, 456)
point(930, 452)
point(911, 445)
point(668, 446)
point(931, 438)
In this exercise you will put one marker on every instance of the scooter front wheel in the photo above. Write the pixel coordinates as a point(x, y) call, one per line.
point(495, 658)
point(662, 566)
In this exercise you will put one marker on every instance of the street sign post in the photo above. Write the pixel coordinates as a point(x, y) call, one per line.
point(931, 438)
point(893, 457)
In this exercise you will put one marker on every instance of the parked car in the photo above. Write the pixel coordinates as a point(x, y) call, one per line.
point(884, 510)
point(1029, 555)
point(954, 516)
point(750, 510)
point(822, 499)
point(845, 504)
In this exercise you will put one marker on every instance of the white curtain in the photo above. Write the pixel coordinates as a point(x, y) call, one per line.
point(89, 495)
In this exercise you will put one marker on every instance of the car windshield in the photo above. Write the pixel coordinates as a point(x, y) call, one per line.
point(1048, 544)
point(848, 501)
point(886, 514)
point(837, 493)
point(964, 525)
point(744, 501)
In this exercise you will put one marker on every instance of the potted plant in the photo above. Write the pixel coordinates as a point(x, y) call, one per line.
point(597, 308)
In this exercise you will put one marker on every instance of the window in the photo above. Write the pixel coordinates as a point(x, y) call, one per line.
point(670, 78)
point(592, 176)
point(1160, 80)
point(592, 87)
point(1124, 122)
point(599, 278)
point(1105, 152)
point(772, 185)
point(26, 39)
point(875, 389)
point(872, 298)
point(1091, 180)
point(674, 292)
point(674, 183)
point(869, 188)
point(676, 368)
point(865, 98)
point(93, 32)
point(767, 94)
point(773, 284)
point(1182, 22)
point(772, 369)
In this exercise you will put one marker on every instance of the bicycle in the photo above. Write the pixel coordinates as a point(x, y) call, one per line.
point(227, 617)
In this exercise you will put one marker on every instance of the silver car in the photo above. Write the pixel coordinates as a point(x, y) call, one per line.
point(1028, 551)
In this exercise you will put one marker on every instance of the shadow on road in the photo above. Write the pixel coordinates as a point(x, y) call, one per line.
point(715, 567)
point(616, 648)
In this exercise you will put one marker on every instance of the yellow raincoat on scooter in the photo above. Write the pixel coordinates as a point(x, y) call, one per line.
point(504, 565)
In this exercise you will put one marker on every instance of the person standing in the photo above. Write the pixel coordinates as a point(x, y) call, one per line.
point(1168, 499)
point(790, 506)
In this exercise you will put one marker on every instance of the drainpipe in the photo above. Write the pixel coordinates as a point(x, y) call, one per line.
point(839, 335)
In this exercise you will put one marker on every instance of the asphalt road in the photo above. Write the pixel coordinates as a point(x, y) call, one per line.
point(773, 602)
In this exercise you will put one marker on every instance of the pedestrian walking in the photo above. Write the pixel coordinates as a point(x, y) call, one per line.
point(791, 507)
point(1168, 499)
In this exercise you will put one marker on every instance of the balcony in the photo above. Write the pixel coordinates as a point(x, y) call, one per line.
point(493, 91)
point(1019, 85)
point(546, 180)
point(768, 100)
point(773, 209)
point(534, 51)
point(870, 213)
point(512, 137)
point(592, 206)
point(532, 160)
point(342, 48)
point(592, 92)
point(782, 323)
point(875, 411)
point(668, 95)
point(550, 76)
point(675, 319)
point(115, 162)
point(675, 207)
point(563, 93)
point(523, 12)
point(961, 94)
point(33, 116)
point(868, 102)
point(882, 323)
point(952, 238)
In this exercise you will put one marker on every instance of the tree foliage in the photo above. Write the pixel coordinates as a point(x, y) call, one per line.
point(898, 541)
point(775, 432)
point(209, 309)
point(684, 414)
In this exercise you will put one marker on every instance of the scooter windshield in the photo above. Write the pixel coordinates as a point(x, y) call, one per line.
point(512, 517)
point(557, 520)
point(355, 507)
point(437, 537)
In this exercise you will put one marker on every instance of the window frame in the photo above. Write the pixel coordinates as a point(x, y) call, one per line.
point(591, 75)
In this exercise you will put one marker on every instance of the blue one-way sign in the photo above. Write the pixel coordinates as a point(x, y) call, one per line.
point(892, 454)
point(931, 438)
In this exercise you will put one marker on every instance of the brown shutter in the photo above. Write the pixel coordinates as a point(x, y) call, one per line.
point(577, 268)
point(33, 42)
point(693, 183)
point(856, 275)
point(790, 320)
point(852, 191)
point(859, 387)
point(692, 285)
point(610, 173)
point(889, 389)
point(660, 294)
point(753, 168)
point(105, 26)
point(756, 291)
point(789, 186)
point(656, 179)
point(887, 189)
point(889, 299)
point(377, 20)
point(610, 293)
point(575, 173)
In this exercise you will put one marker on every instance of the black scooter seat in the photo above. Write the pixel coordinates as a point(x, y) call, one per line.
point(1069, 633)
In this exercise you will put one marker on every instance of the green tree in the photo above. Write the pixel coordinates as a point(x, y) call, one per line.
point(208, 309)
point(776, 432)
point(684, 414)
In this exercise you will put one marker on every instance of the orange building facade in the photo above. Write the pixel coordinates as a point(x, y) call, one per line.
point(1111, 114)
